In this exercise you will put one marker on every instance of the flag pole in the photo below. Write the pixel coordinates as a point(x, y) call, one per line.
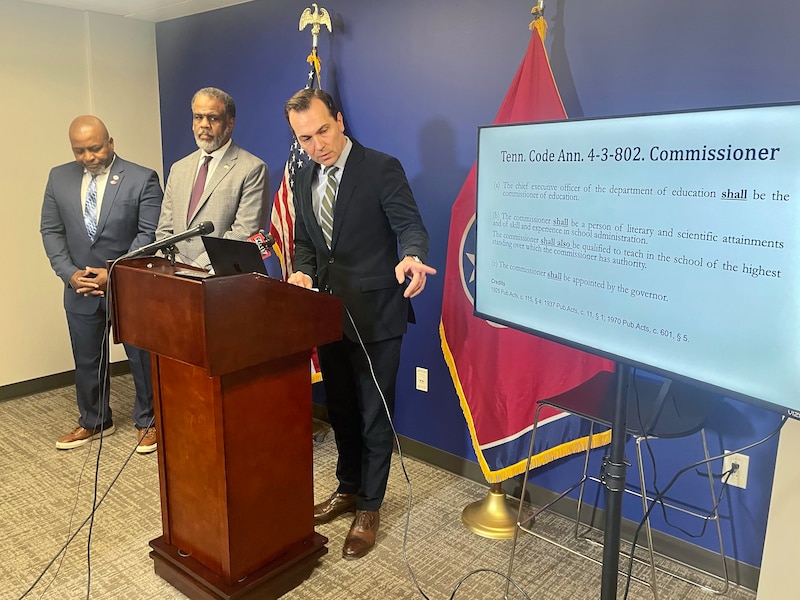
point(319, 16)
point(538, 14)
point(492, 517)
point(538, 21)
point(281, 222)
point(316, 18)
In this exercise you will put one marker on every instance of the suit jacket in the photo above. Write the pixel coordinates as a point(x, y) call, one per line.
point(127, 221)
point(236, 199)
point(374, 212)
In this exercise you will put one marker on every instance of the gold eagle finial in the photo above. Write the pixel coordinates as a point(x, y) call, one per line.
point(319, 17)
point(316, 18)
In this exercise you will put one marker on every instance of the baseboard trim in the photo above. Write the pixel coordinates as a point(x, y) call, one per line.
point(52, 382)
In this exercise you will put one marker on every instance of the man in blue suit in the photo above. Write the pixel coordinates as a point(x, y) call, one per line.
point(353, 210)
point(96, 209)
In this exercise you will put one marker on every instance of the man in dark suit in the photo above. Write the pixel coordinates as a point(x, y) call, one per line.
point(353, 207)
point(97, 209)
point(220, 182)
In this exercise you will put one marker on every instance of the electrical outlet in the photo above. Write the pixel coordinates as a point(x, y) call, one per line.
point(739, 477)
point(422, 379)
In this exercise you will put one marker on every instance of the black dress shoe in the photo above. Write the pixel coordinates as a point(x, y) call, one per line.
point(363, 531)
point(336, 505)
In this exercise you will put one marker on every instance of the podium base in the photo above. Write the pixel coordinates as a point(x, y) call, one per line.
point(270, 582)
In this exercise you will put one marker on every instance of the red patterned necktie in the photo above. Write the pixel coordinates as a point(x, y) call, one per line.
point(199, 186)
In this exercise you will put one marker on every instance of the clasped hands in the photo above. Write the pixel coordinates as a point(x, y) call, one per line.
point(90, 281)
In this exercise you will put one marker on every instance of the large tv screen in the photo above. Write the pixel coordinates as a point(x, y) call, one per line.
point(668, 241)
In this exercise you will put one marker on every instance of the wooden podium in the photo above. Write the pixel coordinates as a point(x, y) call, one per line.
point(232, 395)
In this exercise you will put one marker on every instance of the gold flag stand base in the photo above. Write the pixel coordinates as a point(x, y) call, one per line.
point(491, 517)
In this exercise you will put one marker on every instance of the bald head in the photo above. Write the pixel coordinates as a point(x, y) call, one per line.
point(92, 146)
point(87, 122)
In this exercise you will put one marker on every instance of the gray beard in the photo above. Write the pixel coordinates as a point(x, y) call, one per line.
point(207, 147)
point(213, 144)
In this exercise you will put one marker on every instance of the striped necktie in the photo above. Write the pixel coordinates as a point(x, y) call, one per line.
point(90, 208)
point(326, 205)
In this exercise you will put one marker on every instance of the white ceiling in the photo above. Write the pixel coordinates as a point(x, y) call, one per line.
point(145, 10)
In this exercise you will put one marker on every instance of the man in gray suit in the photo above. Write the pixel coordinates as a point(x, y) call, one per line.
point(97, 209)
point(220, 182)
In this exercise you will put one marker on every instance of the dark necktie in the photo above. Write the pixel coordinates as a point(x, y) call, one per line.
point(326, 205)
point(90, 208)
point(199, 186)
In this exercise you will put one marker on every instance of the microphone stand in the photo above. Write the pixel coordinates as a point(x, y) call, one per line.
point(169, 252)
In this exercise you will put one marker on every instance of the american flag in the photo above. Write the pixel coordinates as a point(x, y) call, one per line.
point(281, 224)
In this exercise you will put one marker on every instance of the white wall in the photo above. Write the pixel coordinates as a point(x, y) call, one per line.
point(56, 64)
point(783, 529)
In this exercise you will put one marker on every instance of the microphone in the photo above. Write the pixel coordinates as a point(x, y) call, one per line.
point(203, 228)
point(264, 241)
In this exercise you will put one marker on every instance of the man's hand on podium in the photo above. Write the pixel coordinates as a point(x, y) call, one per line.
point(300, 279)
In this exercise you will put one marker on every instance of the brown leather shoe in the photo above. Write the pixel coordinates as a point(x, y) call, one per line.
point(363, 531)
point(336, 505)
point(81, 435)
point(147, 440)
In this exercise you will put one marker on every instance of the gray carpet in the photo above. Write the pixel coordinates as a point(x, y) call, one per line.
point(46, 494)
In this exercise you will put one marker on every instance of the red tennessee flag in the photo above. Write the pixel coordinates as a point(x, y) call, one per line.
point(500, 373)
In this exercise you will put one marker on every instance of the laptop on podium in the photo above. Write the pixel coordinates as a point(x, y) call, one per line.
point(232, 257)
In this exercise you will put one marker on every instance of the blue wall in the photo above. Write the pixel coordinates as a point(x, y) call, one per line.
point(416, 78)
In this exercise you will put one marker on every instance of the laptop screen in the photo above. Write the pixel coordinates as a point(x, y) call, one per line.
point(232, 257)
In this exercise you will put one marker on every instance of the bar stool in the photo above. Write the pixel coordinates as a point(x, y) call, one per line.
point(656, 409)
